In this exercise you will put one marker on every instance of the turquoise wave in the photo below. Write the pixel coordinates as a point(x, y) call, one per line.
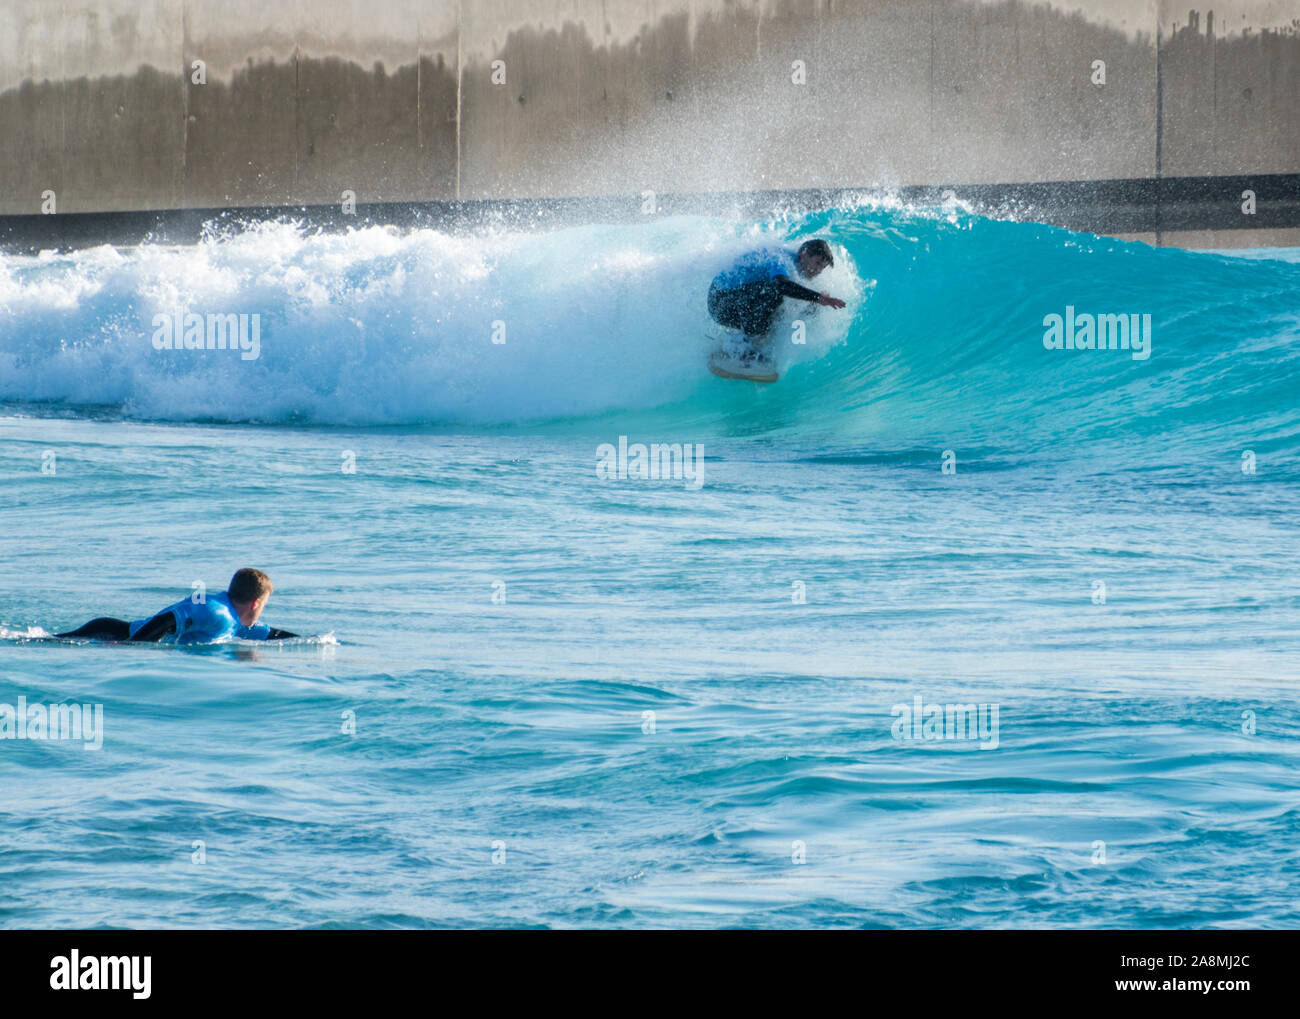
point(604, 326)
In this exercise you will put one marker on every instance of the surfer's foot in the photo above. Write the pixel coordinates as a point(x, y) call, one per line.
point(749, 352)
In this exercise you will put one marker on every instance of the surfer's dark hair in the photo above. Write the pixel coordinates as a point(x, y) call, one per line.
point(819, 248)
point(248, 585)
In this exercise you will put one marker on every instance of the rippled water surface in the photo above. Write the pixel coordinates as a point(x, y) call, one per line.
point(587, 702)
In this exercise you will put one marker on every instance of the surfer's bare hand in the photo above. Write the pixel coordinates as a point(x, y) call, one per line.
point(829, 301)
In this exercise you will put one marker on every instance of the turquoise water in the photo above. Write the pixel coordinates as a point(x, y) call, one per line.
point(657, 704)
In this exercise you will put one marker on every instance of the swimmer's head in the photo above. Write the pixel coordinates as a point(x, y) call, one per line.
point(249, 591)
point(813, 257)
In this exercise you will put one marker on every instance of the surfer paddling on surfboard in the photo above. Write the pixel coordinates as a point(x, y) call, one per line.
point(748, 295)
point(232, 613)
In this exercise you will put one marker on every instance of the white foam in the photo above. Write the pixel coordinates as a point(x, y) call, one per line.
point(376, 326)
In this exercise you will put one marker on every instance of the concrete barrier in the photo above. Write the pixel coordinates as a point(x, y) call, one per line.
point(148, 105)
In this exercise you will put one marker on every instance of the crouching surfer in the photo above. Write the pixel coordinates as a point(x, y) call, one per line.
point(748, 295)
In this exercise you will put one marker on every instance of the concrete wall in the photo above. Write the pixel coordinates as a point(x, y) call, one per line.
point(394, 99)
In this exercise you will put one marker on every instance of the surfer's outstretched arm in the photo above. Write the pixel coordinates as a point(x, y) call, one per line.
point(279, 634)
point(789, 288)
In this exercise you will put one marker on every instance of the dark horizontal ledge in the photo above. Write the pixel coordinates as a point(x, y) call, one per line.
point(1139, 205)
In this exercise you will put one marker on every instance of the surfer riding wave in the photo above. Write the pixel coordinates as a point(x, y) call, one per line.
point(748, 295)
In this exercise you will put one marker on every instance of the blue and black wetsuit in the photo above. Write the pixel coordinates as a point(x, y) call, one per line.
point(748, 295)
point(192, 622)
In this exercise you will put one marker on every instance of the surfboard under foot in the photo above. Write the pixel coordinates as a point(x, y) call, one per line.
point(726, 367)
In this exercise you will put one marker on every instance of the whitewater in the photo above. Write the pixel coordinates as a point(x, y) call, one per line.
point(960, 628)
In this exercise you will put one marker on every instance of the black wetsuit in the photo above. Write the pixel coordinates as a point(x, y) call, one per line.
point(751, 307)
point(107, 628)
point(160, 626)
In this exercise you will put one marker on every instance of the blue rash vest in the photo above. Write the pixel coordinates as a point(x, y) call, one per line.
point(212, 619)
point(757, 267)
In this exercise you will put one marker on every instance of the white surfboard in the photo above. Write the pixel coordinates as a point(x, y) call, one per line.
point(724, 366)
point(726, 363)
